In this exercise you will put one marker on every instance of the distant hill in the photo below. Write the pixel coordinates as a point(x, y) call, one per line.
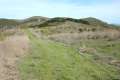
point(61, 28)
point(35, 20)
point(96, 22)
point(71, 25)
point(8, 23)
point(39, 21)
point(61, 20)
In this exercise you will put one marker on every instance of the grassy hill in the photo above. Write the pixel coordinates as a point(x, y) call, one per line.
point(39, 21)
point(12, 23)
point(8, 23)
point(67, 49)
point(88, 28)
point(50, 60)
point(97, 38)
point(34, 20)
point(96, 22)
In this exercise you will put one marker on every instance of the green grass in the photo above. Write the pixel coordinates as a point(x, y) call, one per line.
point(49, 60)
point(103, 47)
point(1, 37)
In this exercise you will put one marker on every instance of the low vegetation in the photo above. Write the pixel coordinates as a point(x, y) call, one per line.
point(50, 60)
point(65, 48)
point(8, 32)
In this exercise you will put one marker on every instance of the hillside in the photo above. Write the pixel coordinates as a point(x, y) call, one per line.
point(11, 23)
point(61, 48)
point(39, 21)
point(87, 21)
point(34, 20)
point(54, 61)
point(96, 22)
point(8, 23)
point(87, 28)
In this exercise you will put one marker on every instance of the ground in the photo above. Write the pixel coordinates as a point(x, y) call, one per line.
point(49, 60)
point(11, 50)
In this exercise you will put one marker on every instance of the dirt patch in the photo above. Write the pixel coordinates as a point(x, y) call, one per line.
point(11, 50)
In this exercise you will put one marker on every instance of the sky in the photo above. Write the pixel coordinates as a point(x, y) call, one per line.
point(106, 10)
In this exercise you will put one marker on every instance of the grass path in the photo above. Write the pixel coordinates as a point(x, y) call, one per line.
point(53, 61)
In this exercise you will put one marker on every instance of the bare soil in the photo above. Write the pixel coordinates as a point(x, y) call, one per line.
point(11, 50)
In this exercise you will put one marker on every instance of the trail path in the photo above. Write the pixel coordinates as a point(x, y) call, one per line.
point(11, 50)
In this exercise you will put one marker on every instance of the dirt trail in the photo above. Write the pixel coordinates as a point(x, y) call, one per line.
point(11, 50)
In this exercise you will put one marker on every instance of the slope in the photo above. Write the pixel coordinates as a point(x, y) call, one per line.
point(54, 61)
point(11, 50)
